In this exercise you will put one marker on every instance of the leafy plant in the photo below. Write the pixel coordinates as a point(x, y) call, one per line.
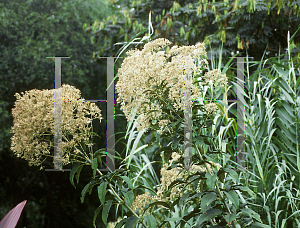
point(204, 194)
point(219, 211)
point(272, 141)
point(239, 25)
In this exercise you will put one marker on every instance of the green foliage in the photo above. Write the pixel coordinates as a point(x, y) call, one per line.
point(274, 156)
point(88, 188)
point(252, 25)
point(30, 31)
point(215, 198)
point(150, 220)
point(102, 191)
point(106, 210)
point(75, 172)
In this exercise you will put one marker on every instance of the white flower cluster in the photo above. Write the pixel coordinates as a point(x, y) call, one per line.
point(113, 224)
point(34, 123)
point(168, 176)
point(214, 77)
point(142, 70)
point(212, 108)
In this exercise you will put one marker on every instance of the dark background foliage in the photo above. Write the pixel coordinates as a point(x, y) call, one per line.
point(238, 26)
point(32, 30)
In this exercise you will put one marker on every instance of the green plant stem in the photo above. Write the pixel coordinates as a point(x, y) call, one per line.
point(217, 186)
point(111, 187)
point(116, 195)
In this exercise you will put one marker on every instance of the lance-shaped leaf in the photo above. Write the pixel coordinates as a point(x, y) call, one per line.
point(12, 218)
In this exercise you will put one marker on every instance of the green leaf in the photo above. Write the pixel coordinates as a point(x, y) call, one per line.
point(75, 170)
point(159, 202)
point(102, 191)
point(256, 224)
point(94, 166)
point(283, 116)
point(209, 215)
point(173, 219)
point(89, 188)
point(150, 221)
point(143, 187)
point(183, 198)
point(229, 217)
point(233, 174)
point(192, 214)
point(100, 153)
point(286, 89)
point(210, 181)
point(128, 181)
point(105, 211)
point(176, 182)
point(251, 213)
point(207, 199)
point(187, 34)
point(294, 35)
point(84, 26)
point(131, 222)
point(96, 214)
point(221, 175)
point(233, 197)
point(129, 196)
point(245, 189)
point(182, 32)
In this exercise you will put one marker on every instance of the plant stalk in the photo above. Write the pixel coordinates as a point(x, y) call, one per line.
point(217, 186)
point(117, 196)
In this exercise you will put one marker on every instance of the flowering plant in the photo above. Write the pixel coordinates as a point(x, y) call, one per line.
point(152, 83)
point(148, 71)
point(33, 127)
point(207, 194)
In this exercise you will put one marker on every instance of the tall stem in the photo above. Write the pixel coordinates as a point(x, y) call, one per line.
point(117, 196)
point(216, 184)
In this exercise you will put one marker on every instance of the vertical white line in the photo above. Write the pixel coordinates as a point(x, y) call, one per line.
point(57, 117)
point(240, 113)
point(187, 115)
point(110, 105)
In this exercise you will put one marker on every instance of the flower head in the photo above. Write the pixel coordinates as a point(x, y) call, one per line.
point(145, 70)
point(33, 127)
point(167, 177)
point(212, 108)
point(140, 202)
point(214, 77)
